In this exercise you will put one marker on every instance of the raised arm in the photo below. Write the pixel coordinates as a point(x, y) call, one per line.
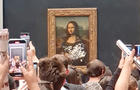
point(123, 80)
point(112, 82)
point(3, 69)
point(29, 76)
point(32, 52)
point(4, 59)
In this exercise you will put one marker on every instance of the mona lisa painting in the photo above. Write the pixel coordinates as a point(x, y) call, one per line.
point(73, 32)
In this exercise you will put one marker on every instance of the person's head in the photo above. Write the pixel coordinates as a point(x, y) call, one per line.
point(95, 68)
point(65, 59)
point(72, 28)
point(132, 84)
point(52, 70)
point(74, 76)
point(17, 64)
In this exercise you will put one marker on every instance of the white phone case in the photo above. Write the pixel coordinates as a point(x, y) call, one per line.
point(126, 50)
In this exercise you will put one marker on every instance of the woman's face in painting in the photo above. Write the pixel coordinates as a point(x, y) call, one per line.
point(71, 28)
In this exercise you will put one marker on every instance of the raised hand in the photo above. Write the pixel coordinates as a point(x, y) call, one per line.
point(29, 75)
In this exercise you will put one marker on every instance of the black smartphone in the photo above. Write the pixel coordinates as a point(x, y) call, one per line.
point(17, 53)
point(26, 36)
point(137, 50)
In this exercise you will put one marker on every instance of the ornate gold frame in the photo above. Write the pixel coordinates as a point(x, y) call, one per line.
point(90, 12)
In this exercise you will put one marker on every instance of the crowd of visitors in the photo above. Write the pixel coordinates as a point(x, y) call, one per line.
point(57, 73)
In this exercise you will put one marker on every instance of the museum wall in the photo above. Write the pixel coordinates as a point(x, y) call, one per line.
point(117, 19)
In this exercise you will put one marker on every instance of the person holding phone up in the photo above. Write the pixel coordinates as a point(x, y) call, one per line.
point(28, 74)
point(4, 36)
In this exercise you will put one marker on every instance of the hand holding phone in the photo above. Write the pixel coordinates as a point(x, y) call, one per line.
point(17, 52)
point(129, 46)
point(30, 76)
point(126, 50)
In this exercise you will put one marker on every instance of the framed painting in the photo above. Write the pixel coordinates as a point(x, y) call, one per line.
point(73, 32)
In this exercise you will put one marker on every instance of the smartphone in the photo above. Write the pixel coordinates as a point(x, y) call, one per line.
point(26, 36)
point(17, 53)
point(36, 67)
point(130, 47)
point(137, 50)
point(124, 48)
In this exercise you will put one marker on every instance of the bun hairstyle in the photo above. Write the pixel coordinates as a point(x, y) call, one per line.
point(95, 68)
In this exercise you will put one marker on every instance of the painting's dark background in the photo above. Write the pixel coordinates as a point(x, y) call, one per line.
point(117, 19)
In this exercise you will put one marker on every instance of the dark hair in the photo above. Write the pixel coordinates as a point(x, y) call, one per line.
point(45, 85)
point(76, 28)
point(65, 59)
point(17, 64)
point(74, 76)
point(95, 68)
point(52, 70)
point(104, 81)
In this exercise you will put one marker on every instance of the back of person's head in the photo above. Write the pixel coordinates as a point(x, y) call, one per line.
point(65, 59)
point(104, 81)
point(95, 68)
point(52, 70)
point(132, 84)
point(73, 76)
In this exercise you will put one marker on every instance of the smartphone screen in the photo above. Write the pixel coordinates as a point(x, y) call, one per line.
point(137, 50)
point(17, 54)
